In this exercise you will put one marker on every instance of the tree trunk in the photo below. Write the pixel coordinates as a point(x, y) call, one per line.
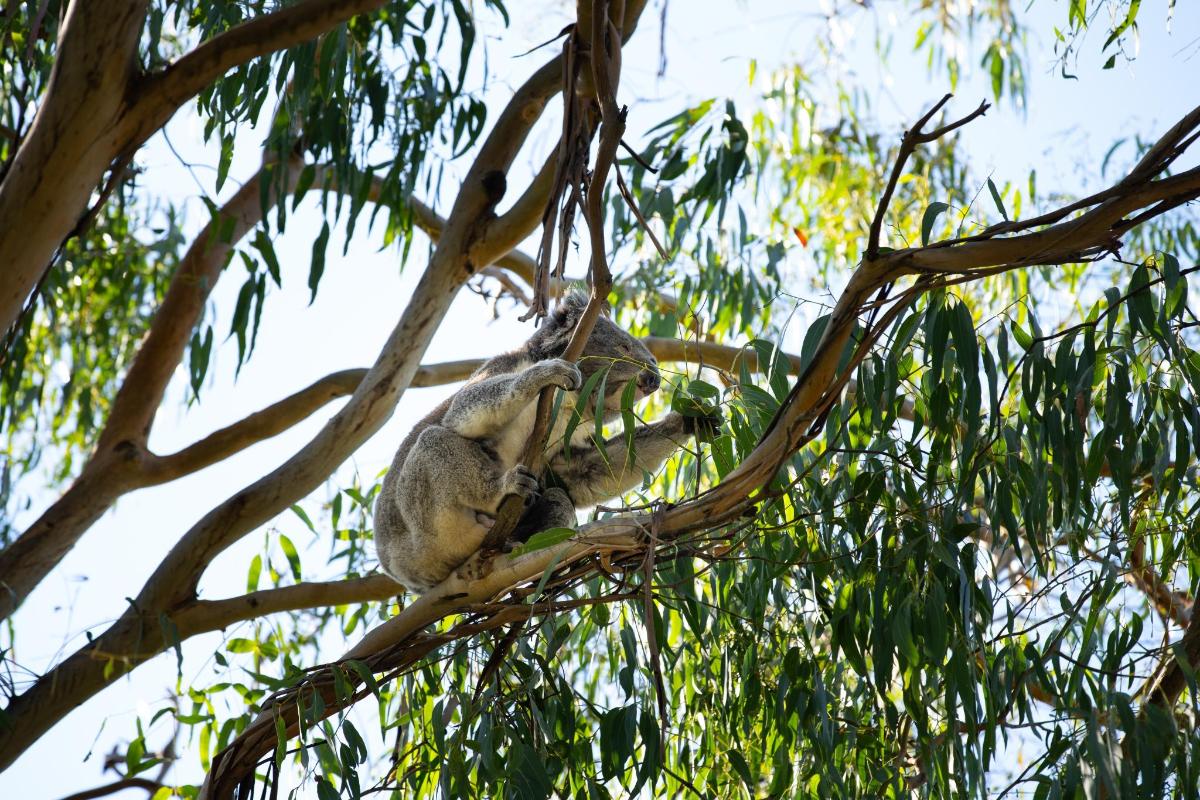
point(76, 135)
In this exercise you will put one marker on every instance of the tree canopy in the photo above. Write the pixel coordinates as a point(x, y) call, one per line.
point(943, 544)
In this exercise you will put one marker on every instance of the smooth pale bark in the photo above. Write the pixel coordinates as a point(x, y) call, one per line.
point(76, 134)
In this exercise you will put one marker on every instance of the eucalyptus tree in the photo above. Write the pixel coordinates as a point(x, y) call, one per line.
point(957, 516)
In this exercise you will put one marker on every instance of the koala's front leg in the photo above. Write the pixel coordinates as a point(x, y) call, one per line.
point(591, 477)
point(482, 409)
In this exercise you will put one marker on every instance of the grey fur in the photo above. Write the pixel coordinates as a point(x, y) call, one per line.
point(446, 483)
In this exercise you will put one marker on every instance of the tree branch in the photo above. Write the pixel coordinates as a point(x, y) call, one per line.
point(605, 57)
point(277, 418)
point(270, 421)
point(117, 786)
point(202, 616)
point(1175, 606)
point(908, 143)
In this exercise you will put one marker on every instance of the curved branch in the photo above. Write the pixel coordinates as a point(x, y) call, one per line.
point(1096, 231)
point(270, 421)
point(278, 30)
point(203, 616)
point(117, 786)
point(277, 418)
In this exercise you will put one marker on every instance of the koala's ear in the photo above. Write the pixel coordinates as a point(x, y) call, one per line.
point(570, 309)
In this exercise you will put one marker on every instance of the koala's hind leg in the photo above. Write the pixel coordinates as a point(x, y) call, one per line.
point(553, 509)
point(450, 490)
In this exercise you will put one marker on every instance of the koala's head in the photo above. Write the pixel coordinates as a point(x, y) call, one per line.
point(608, 346)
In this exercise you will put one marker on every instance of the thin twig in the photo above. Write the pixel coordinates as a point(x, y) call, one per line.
point(908, 143)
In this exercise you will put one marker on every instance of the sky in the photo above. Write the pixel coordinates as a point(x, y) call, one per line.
point(708, 46)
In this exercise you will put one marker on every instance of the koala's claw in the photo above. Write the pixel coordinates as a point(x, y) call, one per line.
point(564, 374)
point(521, 482)
point(486, 520)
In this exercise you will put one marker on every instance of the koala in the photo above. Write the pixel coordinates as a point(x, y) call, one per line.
point(440, 497)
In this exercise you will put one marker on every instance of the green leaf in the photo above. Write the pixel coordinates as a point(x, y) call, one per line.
point(303, 515)
point(262, 243)
point(996, 199)
point(318, 260)
point(1022, 336)
point(544, 539)
point(527, 771)
point(253, 574)
point(929, 218)
point(293, 557)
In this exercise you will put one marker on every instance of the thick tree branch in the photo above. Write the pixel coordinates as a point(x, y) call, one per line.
point(278, 417)
point(270, 421)
point(74, 139)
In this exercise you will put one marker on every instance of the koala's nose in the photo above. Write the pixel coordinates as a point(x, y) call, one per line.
point(648, 381)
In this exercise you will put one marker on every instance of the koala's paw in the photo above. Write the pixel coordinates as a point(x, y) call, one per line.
point(562, 373)
point(486, 520)
point(521, 482)
point(704, 426)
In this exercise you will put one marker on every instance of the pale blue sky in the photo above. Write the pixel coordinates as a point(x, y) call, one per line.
point(1068, 127)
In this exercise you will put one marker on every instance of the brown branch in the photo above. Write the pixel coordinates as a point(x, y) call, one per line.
point(908, 143)
point(1165, 686)
point(202, 616)
point(117, 786)
point(604, 39)
point(1175, 606)
point(75, 136)
point(270, 421)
